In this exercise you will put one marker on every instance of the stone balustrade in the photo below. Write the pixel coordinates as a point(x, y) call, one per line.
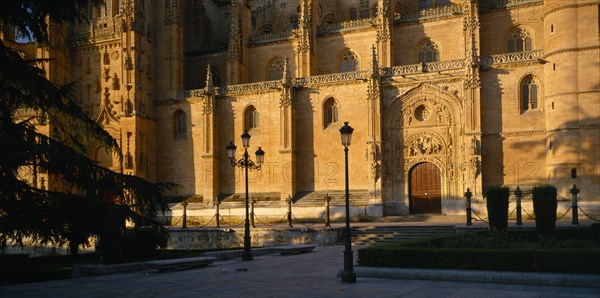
point(506, 58)
point(347, 25)
point(270, 37)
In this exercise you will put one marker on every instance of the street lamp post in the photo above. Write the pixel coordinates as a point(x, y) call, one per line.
point(246, 164)
point(348, 274)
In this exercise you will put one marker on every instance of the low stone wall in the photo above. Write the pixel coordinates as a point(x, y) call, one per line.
point(234, 214)
point(212, 238)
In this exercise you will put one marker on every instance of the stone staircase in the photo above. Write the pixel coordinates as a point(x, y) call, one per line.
point(338, 198)
point(363, 236)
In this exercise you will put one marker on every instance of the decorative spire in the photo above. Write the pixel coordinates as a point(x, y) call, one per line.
point(286, 78)
point(209, 81)
point(374, 64)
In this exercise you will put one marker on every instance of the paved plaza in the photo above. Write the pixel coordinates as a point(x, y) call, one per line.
point(304, 275)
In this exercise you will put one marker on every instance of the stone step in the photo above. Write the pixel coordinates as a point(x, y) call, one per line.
point(373, 235)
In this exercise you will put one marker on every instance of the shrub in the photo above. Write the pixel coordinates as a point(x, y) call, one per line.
point(497, 206)
point(595, 230)
point(544, 208)
point(133, 245)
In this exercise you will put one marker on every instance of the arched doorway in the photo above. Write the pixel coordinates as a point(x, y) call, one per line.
point(425, 189)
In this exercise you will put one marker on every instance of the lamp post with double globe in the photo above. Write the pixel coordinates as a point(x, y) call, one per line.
point(246, 164)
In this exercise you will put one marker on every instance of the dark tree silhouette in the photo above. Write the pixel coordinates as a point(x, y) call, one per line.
point(90, 199)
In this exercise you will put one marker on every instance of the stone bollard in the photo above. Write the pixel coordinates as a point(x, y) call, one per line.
point(327, 222)
point(519, 194)
point(574, 191)
point(468, 196)
point(289, 213)
point(184, 204)
point(217, 215)
point(252, 212)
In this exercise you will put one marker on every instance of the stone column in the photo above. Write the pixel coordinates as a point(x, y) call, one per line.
point(287, 158)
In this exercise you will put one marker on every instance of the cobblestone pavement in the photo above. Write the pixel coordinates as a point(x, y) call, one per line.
point(304, 275)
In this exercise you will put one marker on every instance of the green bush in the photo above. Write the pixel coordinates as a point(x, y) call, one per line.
point(544, 208)
point(492, 250)
point(136, 244)
point(497, 206)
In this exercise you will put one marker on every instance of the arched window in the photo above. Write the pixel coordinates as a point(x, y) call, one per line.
point(330, 112)
point(250, 118)
point(519, 40)
point(276, 69)
point(179, 124)
point(353, 15)
point(349, 62)
point(374, 10)
point(428, 52)
point(529, 94)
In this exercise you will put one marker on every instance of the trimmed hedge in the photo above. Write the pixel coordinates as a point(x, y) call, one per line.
point(528, 260)
point(544, 207)
point(497, 206)
point(571, 251)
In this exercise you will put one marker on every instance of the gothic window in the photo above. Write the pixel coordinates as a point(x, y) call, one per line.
point(353, 15)
point(250, 118)
point(349, 62)
point(529, 94)
point(276, 69)
point(519, 40)
point(428, 52)
point(364, 9)
point(330, 112)
point(179, 124)
point(374, 10)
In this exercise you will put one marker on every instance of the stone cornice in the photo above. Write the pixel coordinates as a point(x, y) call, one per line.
point(516, 133)
point(571, 50)
point(569, 6)
point(572, 93)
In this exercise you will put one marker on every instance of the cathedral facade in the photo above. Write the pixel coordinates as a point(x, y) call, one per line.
point(443, 95)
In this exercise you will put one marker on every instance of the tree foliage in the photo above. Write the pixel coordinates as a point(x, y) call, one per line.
point(90, 199)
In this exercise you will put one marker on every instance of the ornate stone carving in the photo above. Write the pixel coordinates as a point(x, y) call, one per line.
point(402, 70)
point(286, 83)
point(423, 144)
point(431, 13)
point(172, 12)
point(106, 74)
point(444, 65)
point(383, 22)
point(471, 27)
point(115, 82)
point(235, 44)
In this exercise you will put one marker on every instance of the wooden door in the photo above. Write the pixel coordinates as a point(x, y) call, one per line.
point(425, 189)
